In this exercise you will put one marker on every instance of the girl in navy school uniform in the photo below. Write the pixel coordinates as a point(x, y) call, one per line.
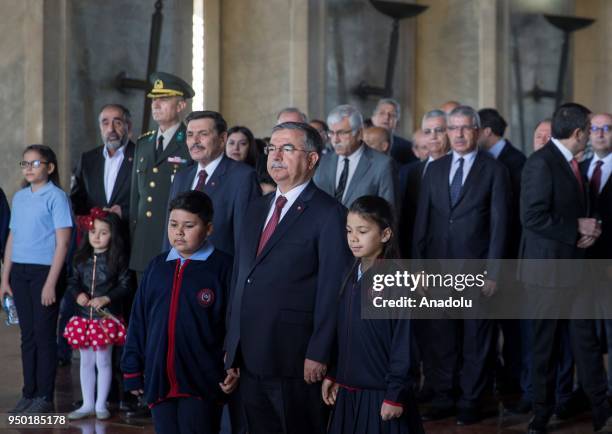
point(174, 350)
point(40, 228)
point(369, 384)
point(99, 281)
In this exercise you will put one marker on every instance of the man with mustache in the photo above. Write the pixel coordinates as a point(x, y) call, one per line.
point(160, 154)
point(230, 184)
point(102, 176)
point(354, 169)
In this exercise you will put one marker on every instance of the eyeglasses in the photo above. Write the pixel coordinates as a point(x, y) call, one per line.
point(34, 164)
point(343, 134)
point(605, 129)
point(287, 148)
point(461, 128)
point(437, 130)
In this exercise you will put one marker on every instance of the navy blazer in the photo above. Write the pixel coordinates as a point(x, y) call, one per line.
point(600, 208)
point(411, 176)
point(551, 204)
point(401, 151)
point(284, 301)
point(476, 227)
point(231, 187)
point(88, 188)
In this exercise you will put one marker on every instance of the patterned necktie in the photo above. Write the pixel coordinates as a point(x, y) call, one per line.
point(271, 226)
point(160, 146)
point(202, 175)
point(342, 181)
point(456, 183)
point(577, 174)
point(596, 179)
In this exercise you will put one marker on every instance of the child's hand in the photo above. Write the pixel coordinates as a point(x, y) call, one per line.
point(388, 411)
point(47, 296)
point(231, 380)
point(82, 299)
point(137, 392)
point(5, 288)
point(329, 391)
point(99, 302)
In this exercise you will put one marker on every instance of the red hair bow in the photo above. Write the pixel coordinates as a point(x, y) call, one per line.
point(86, 222)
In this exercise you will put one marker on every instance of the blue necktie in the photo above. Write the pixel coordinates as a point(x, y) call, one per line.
point(455, 187)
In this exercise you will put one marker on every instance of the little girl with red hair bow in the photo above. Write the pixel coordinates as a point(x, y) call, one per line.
point(99, 281)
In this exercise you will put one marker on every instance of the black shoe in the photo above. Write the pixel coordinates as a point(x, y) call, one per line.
point(602, 418)
point(41, 405)
point(21, 406)
point(62, 363)
point(437, 413)
point(127, 406)
point(523, 406)
point(468, 416)
point(140, 413)
point(533, 428)
point(564, 411)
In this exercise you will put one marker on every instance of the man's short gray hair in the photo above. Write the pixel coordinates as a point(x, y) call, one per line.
point(436, 113)
point(465, 110)
point(293, 110)
point(312, 138)
point(346, 111)
point(127, 116)
point(389, 101)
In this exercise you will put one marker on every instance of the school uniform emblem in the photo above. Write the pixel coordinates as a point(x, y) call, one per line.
point(206, 297)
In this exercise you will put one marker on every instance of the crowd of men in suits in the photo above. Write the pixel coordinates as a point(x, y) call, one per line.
point(461, 191)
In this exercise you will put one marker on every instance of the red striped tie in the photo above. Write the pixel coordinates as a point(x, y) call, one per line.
point(271, 226)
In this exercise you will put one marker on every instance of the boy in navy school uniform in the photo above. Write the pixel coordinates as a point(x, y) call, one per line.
point(174, 349)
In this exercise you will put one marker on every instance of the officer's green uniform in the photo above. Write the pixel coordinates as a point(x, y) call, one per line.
point(152, 177)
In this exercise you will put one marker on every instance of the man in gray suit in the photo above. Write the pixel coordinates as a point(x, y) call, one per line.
point(354, 169)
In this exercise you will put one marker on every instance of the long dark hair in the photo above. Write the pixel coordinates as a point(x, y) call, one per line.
point(116, 255)
point(378, 211)
point(252, 152)
point(47, 155)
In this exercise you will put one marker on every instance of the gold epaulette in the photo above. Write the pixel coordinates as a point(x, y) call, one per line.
point(148, 133)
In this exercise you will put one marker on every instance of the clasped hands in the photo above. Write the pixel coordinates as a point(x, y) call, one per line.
point(589, 230)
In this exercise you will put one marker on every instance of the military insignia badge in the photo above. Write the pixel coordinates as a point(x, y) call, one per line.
point(176, 160)
point(180, 136)
point(206, 297)
point(158, 84)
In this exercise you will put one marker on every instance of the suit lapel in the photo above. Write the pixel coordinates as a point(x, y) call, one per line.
point(173, 147)
point(123, 177)
point(216, 180)
point(263, 205)
point(360, 171)
point(330, 171)
point(472, 176)
point(296, 210)
point(97, 174)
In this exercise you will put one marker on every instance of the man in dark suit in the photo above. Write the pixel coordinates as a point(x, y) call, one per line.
point(102, 177)
point(491, 139)
point(354, 169)
point(231, 185)
point(433, 128)
point(462, 215)
point(289, 265)
point(554, 206)
point(387, 115)
point(159, 155)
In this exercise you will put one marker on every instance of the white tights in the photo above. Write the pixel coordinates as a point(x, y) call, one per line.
point(90, 360)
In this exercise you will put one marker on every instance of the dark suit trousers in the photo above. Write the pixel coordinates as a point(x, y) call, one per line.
point(282, 405)
point(186, 416)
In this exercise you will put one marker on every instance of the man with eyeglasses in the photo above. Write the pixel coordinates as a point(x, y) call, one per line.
point(230, 184)
point(354, 169)
point(462, 215)
point(290, 262)
point(387, 115)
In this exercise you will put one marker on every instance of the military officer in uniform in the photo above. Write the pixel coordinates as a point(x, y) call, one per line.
point(158, 156)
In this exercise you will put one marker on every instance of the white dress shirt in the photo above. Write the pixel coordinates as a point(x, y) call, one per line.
point(606, 169)
point(210, 169)
point(353, 162)
point(468, 162)
point(567, 154)
point(111, 170)
point(291, 197)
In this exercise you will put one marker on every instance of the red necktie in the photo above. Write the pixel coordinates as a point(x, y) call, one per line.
point(596, 179)
point(201, 180)
point(271, 226)
point(577, 174)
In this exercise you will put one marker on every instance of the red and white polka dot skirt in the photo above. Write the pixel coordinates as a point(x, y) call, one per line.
point(95, 333)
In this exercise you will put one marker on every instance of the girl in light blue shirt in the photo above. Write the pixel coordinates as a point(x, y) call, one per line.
point(40, 228)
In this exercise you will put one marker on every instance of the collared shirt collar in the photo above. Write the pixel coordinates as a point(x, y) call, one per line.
point(567, 154)
point(467, 158)
point(48, 186)
point(210, 167)
point(292, 194)
point(606, 160)
point(202, 254)
point(119, 151)
point(497, 148)
point(168, 134)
